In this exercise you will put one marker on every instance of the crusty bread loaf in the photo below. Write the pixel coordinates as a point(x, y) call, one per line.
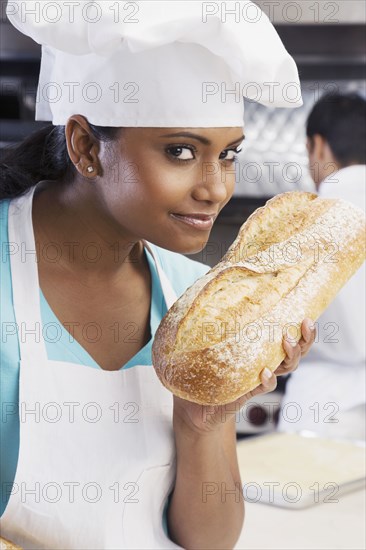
point(7, 545)
point(288, 262)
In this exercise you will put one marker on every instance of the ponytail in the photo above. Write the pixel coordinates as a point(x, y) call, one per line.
point(42, 156)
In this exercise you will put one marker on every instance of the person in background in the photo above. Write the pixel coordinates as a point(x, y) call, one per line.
point(327, 395)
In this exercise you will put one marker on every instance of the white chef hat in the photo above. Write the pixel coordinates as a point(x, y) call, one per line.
point(156, 63)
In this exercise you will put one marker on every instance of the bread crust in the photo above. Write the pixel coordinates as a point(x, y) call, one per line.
point(7, 545)
point(289, 260)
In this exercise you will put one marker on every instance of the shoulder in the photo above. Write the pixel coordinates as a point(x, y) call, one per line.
point(348, 184)
point(180, 270)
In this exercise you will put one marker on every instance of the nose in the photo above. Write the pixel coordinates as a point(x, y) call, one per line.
point(216, 182)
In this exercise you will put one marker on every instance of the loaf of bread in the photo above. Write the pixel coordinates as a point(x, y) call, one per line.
point(289, 260)
point(7, 545)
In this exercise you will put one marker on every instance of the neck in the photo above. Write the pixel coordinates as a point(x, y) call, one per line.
point(72, 226)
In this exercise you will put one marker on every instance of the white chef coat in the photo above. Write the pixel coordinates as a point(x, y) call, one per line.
point(330, 382)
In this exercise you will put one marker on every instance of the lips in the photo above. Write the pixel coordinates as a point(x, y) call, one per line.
point(197, 220)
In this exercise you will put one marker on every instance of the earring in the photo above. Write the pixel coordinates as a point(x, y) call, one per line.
point(90, 169)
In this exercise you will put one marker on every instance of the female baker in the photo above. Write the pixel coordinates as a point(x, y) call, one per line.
point(97, 212)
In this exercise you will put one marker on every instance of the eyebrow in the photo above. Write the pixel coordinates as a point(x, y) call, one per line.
point(202, 139)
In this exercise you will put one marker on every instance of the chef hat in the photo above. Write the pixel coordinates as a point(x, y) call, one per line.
point(156, 64)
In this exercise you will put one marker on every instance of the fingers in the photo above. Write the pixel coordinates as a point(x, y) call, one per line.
point(292, 359)
point(268, 384)
point(308, 332)
point(269, 380)
point(296, 350)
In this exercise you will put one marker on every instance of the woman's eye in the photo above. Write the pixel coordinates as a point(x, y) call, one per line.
point(185, 153)
point(230, 154)
point(181, 153)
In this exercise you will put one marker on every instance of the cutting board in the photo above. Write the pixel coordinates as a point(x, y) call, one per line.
point(297, 470)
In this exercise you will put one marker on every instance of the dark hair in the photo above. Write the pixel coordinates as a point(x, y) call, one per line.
point(42, 156)
point(340, 120)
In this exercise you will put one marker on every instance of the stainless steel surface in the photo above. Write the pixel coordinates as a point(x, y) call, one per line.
point(322, 12)
point(14, 43)
point(274, 157)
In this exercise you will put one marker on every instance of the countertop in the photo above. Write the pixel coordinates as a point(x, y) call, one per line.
point(332, 526)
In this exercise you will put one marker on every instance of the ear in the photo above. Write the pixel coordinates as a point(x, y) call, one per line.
point(82, 146)
point(319, 145)
point(309, 145)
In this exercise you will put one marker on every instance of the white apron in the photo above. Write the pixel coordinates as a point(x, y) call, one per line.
point(97, 457)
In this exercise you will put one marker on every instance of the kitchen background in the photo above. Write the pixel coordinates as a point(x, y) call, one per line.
point(328, 42)
point(326, 39)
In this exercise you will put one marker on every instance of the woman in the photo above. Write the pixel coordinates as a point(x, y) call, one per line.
point(104, 450)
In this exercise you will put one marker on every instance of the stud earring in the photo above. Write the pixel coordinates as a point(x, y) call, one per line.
point(90, 169)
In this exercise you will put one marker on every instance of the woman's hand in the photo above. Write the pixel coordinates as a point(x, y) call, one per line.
point(208, 418)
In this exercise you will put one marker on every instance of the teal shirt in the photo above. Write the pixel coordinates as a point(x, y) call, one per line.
point(180, 270)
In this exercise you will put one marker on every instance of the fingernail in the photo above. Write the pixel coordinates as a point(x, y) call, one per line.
point(267, 373)
point(311, 324)
point(292, 342)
